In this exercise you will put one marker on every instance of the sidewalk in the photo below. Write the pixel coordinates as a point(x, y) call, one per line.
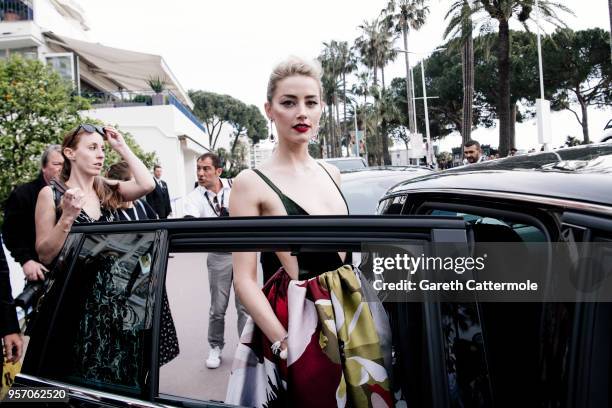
point(188, 293)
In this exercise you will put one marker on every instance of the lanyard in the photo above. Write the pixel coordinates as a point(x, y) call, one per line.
point(136, 218)
point(217, 213)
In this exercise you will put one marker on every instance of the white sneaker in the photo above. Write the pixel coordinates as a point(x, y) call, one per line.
point(214, 358)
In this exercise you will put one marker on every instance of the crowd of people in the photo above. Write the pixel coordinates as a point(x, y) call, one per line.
point(71, 190)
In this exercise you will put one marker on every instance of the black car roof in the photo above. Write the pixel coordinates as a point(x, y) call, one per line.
point(582, 173)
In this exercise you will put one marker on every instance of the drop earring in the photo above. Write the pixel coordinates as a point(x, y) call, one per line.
point(315, 136)
point(271, 132)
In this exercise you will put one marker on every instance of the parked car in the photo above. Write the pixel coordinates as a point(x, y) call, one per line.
point(364, 187)
point(446, 354)
point(516, 354)
point(348, 163)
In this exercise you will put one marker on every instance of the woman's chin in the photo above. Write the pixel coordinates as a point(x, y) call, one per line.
point(300, 138)
point(93, 172)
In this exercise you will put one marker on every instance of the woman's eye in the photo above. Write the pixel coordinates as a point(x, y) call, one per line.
point(287, 103)
point(312, 103)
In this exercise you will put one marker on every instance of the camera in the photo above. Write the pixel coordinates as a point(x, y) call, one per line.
point(31, 293)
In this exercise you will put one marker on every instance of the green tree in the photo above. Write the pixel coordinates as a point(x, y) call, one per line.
point(36, 108)
point(441, 73)
point(523, 70)
point(460, 24)
point(215, 110)
point(610, 32)
point(404, 15)
point(247, 120)
point(503, 11)
point(348, 63)
point(331, 62)
point(375, 47)
point(578, 69)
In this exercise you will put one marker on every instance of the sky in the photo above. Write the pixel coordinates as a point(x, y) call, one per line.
point(230, 47)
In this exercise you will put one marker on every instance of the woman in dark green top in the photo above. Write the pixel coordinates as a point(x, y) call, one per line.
point(299, 354)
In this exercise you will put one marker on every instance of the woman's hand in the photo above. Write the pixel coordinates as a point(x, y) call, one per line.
point(72, 203)
point(115, 140)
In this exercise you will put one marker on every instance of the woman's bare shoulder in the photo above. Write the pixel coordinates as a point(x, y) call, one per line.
point(332, 170)
point(245, 198)
point(245, 178)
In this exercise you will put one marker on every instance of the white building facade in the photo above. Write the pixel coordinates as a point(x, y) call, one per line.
point(115, 81)
point(261, 152)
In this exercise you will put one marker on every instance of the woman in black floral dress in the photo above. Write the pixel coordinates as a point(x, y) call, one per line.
point(109, 333)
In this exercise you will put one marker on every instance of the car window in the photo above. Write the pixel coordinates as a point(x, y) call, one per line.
point(502, 345)
point(189, 376)
point(103, 327)
point(527, 233)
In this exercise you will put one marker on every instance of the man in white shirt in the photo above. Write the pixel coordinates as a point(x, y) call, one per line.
point(211, 199)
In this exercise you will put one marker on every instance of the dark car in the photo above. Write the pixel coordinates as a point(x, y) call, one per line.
point(552, 353)
point(363, 188)
point(446, 352)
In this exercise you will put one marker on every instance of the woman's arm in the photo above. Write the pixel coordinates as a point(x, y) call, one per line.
point(243, 202)
point(143, 181)
point(50, 236)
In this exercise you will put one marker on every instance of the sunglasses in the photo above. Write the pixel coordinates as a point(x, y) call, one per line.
point(89, 128)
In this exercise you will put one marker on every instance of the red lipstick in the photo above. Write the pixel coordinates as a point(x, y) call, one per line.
point(302, 128)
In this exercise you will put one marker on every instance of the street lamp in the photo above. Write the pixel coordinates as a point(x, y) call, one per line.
point(542, 105)
point(429, 147)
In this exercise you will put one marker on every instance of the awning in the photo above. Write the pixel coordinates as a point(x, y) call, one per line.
point(130, 69)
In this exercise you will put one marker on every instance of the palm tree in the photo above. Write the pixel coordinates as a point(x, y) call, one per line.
point(460, 15)
point(404, 15)
point(610, 12)
point(367, 46)
point(375, 46)
point(332, 67)
point(503, 11)
point(348, 64)
point(360, 88)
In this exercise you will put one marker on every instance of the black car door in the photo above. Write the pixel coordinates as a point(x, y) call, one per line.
point(91, 333)
point(78, 334)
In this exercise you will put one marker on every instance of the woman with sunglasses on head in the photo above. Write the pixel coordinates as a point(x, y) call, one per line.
point(89, 197)
point(314, 338)
point(105, 347)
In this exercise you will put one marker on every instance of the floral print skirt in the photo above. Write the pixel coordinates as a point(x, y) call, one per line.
point(339, 346)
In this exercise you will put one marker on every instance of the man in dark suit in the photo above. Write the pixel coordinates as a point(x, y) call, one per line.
point(19, 229)
point(159, 198)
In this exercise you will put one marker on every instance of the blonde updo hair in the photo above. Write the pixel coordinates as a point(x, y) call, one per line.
point(293, 66)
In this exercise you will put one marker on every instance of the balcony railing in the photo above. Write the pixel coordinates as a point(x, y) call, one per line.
point(139, 98)
point(16, 10)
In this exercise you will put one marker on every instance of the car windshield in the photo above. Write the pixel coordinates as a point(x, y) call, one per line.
point(363, 189)
point(348, 164)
